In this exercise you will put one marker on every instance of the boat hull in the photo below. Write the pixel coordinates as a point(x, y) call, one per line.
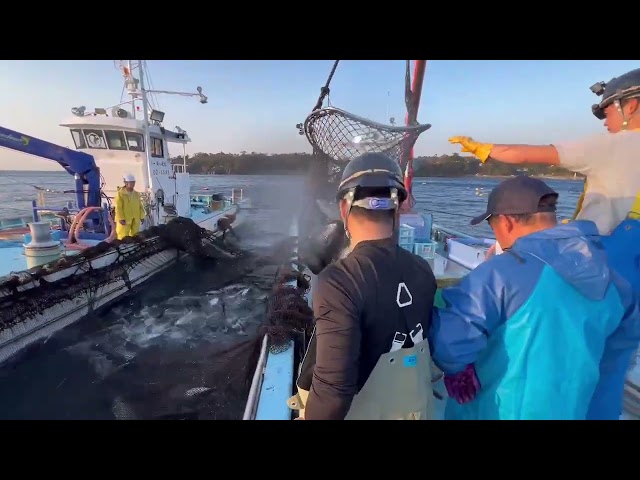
point(52, 319)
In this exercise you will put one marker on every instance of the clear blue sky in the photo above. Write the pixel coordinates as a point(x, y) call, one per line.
point(255, 105)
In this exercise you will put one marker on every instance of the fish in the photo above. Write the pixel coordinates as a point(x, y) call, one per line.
point(122, 410)
point(192, 392)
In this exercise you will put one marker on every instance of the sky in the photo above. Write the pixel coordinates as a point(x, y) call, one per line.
point(254, 105)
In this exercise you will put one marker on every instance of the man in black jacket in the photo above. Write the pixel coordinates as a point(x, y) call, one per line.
point(368, 357)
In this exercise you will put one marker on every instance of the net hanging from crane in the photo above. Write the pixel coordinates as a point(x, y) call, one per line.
point(343, 136)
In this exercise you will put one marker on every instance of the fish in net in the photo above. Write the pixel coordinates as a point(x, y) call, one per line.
point(212, 381)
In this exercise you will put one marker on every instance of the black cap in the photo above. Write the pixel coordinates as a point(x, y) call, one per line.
point(517, 196)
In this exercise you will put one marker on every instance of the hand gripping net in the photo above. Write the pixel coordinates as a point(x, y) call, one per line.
point(342, 136)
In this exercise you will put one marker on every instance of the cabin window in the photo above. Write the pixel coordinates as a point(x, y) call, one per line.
point(78, 139)
point(156, 148)
point(95, 139)
point(135, 141)
point(115, 140)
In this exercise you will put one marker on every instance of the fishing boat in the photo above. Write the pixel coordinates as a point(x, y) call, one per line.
point(65, 260)
point(337, 137)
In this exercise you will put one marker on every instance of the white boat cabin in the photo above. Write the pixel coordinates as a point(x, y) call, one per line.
point(117, 143)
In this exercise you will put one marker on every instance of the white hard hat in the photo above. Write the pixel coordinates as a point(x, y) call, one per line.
point(129, 178)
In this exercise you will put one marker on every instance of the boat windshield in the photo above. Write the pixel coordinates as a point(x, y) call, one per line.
point(107, 139)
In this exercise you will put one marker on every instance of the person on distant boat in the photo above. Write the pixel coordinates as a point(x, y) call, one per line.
point(368, 357)
point(129, 210)
point(531, 333)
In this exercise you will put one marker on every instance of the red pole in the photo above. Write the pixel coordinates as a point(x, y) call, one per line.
point(419, 70)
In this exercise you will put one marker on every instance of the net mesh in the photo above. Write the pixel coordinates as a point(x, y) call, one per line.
point(212, 381)
point(342, 136)
point(25, 294)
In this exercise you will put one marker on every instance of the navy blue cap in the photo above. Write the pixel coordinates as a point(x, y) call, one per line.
point(517, 196)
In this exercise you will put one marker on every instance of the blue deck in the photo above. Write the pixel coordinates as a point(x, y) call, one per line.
point(13, 259)
point(277, 386)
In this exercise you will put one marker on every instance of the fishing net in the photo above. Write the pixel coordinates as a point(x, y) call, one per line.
point(26, 294)
point(337, 137)
point(342, 136)
point(288, 312)
point(212, 381)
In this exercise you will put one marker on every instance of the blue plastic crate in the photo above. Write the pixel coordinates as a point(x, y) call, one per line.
point(407, 246)
point(406, 234)
point(426, 250)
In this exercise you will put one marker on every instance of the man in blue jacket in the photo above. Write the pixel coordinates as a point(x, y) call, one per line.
point(544, 331)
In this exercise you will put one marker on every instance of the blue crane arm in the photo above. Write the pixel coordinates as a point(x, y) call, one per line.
point(74, 162)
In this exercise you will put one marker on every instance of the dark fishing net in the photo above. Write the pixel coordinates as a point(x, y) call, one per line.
point(288, 315)
point(206, 382)
point(25, 294)
point(212, 381)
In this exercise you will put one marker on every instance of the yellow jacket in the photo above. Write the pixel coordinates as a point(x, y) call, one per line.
point(128, 206)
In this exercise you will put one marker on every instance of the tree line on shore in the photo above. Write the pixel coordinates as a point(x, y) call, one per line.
point(455, 165)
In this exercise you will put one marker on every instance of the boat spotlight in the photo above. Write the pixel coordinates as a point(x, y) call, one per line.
point(78, 111)
point(203, 98)
point(181, 133)
point(156, 116)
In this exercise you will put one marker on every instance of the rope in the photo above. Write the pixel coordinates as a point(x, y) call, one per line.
point(324, 91)
point(41, 189)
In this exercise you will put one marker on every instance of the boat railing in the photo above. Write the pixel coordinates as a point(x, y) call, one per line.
point(179, 168)
point(437, 231)
point(272, 382)
point(237, 194)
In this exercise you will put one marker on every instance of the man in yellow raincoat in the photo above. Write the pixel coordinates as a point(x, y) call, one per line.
point(129, 210)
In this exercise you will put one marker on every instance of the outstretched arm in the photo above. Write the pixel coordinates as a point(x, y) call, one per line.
point(580, 156)
point(545, 154)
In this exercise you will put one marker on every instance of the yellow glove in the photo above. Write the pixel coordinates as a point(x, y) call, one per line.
point(480, 150)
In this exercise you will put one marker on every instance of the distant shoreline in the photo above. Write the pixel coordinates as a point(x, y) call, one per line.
point(499, 177)
point(542, 177)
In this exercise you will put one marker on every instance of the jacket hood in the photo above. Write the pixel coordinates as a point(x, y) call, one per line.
point(574, 252)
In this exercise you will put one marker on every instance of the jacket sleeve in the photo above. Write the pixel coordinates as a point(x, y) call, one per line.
point(337, 337)
point(459, 331)
point(620, 346)
point(588, 154)
point(119, 207)
point(627, 335)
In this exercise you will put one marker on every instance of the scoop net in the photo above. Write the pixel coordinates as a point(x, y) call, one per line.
point(342, 136)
